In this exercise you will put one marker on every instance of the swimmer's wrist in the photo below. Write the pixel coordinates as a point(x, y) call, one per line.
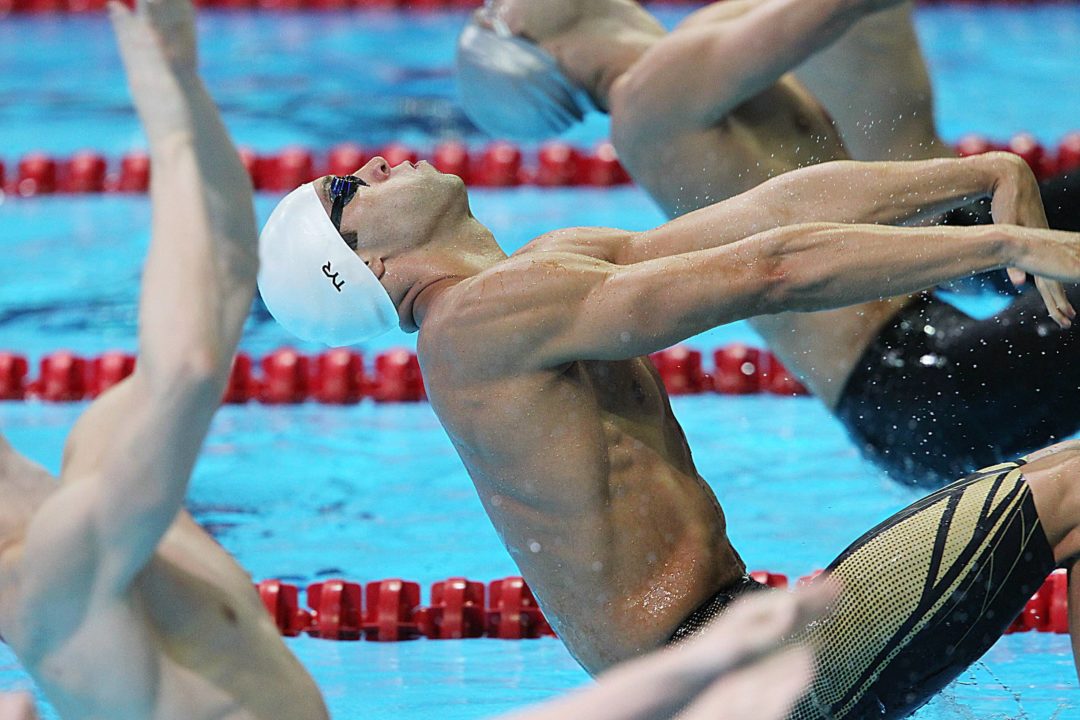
point(1010, 248)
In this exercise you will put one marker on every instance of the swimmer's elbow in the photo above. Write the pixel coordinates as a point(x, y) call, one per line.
point(776, 280)
point(191, 372)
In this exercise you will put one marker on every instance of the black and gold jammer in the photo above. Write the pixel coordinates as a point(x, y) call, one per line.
point(923, 595)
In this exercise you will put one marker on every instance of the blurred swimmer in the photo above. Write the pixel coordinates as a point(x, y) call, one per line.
point(537, 366)
point(711, 109)
point(741, 668)
point(17, 706)
point(113, 599)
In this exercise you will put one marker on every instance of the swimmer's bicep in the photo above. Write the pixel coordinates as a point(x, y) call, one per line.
point(146, 476)
point(723, 64)
point(141, 471)
point(59, 567)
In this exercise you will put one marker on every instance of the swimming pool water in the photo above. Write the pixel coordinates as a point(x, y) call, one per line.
point(370, 492)
point(317, 79)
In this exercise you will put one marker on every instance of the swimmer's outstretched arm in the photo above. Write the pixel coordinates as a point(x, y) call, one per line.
point(589, 308)
point(882, 193)
point(844, 191)
point(129, 458)
point(735, 671)
point(722, 56)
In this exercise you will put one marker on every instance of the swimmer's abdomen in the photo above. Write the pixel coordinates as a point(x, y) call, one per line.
point(925, 594)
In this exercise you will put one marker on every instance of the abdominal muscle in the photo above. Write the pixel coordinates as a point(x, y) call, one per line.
point(589, 483)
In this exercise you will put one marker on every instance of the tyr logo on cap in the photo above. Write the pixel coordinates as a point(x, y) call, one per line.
point(327, 271)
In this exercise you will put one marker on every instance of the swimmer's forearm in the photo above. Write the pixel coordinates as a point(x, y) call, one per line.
point(822, 266)
point(200, 272)
point(886, 193)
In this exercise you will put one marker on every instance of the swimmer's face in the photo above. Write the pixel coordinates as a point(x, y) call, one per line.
point(393, 209)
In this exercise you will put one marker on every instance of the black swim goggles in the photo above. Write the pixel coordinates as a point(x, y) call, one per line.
point(340, 192)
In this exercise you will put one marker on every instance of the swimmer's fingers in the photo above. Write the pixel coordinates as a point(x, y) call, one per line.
point(755, 626)
point(1057, 302)
point(1017, 276)
point(158, 36)
point(766, 690)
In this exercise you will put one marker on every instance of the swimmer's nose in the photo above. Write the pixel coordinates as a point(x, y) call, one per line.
point(375, 170)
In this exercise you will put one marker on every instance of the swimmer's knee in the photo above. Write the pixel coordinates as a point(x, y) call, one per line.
point(1054, 479)
point(1062, 449)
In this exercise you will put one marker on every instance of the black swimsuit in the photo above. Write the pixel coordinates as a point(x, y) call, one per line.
point(939, 393)
point(922, 596)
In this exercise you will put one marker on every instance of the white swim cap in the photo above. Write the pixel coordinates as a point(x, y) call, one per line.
point(511, 87)
point(312, 282)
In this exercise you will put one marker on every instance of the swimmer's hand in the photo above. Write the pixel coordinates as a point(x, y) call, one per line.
point(755, 669)
point(157, 45)
point(743, 667)
point(17, 706)
point(1053, 256)
point(1017, 201)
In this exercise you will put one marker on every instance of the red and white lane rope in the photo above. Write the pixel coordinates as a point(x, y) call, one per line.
point(496, 165)
point(341, 377)
point(459, 608)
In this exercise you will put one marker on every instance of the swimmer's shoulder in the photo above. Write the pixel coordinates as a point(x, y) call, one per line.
point(509, 311)
point(598, 243)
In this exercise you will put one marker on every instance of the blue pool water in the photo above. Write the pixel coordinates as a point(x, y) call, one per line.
point(371, 492)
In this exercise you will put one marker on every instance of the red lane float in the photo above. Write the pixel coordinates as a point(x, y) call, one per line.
point(559, 164)
point(84, 173)
point(242, 385)
point(740, 370)
point(456, 612)
point(13, 371)
point(498, 165)
point(285, 378)
point(391, 610)
point(108, 370)
point(1048, 609)
point(336, 610)
point(390, 613)
point(36, 175)
point(282, 601)
point(513, 613)
point(339, 377)
point(680, 370)
point(453, 158)
point(61, 378)
point(345, 159)
point(1068, 158)
point(134, 175)
point(397, 378)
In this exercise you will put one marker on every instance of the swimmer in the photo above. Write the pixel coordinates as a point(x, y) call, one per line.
point(710, 110)
point(888, 114)
point(114, 600)
point(119, 605)
point(537, 366)
point(741, 668)
point(17, 706)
